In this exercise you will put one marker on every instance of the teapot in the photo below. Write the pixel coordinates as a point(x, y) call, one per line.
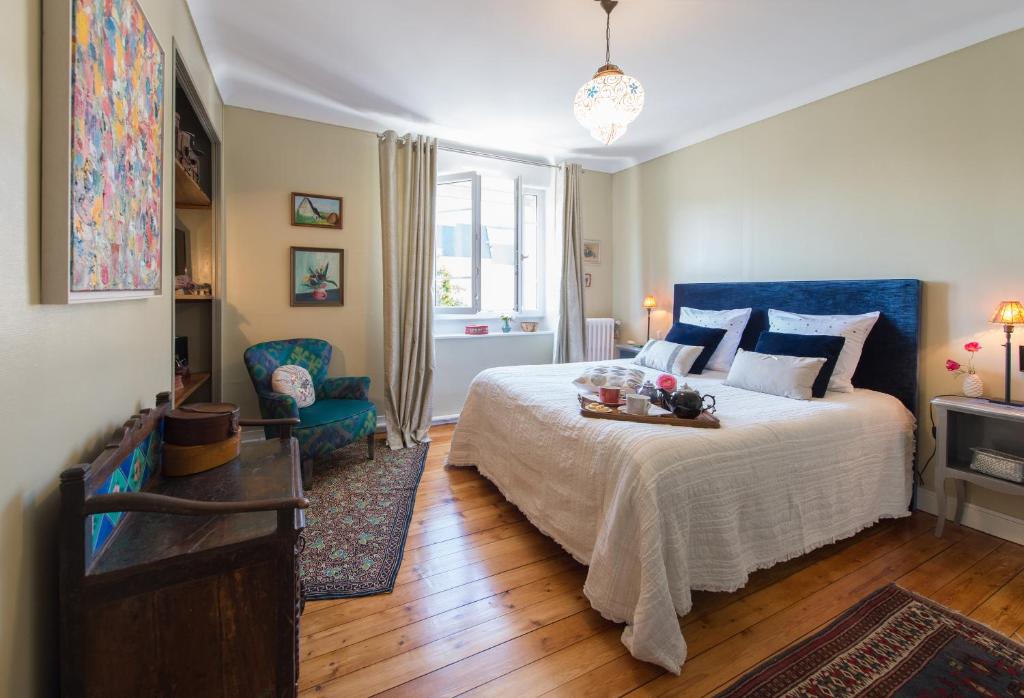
point(687, 403)
point(650, 391)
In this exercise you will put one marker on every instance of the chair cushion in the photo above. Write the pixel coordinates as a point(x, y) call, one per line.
point(295, 381)
point(328, 411)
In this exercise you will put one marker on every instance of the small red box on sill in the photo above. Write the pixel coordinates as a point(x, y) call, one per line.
point(476, 329)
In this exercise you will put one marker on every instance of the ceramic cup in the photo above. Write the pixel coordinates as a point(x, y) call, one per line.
point(638, 404)
point(609, 396)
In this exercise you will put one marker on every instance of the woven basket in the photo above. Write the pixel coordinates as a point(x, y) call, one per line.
point(998, 464)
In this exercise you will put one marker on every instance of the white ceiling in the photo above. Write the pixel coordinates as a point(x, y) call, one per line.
point(501, 74)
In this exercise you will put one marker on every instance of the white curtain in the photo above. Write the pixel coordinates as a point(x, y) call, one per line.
point(571, 336)
point(408, 177)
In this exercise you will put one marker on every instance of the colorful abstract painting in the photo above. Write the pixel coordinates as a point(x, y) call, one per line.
point(117, 79)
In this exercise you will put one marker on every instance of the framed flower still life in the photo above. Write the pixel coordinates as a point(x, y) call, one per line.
point(317, 277)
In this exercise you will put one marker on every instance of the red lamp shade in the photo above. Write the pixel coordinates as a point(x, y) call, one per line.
point(1009, 313)
point(650, 302)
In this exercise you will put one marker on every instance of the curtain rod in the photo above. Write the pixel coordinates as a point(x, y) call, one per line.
point(495, 156)
point(479, 153)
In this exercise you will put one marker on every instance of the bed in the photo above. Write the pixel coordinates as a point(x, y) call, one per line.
point(657, 512)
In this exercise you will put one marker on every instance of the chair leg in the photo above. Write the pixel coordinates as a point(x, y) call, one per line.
point(371, 445)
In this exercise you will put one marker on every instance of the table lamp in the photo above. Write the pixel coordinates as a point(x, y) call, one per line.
point(649, 304)
point(1008, 314)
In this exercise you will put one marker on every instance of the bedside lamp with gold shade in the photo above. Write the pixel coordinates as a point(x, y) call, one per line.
point(1009, 314)
point(649, 304)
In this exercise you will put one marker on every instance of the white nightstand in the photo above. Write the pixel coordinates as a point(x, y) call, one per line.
point(960, 424)
point(628, 351)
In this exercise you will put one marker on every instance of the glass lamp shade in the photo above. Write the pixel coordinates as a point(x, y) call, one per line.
point(1009, 313)
point(608, 103)
point(650, 302)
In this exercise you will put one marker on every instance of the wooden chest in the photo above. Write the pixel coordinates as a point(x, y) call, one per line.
point(182, 586)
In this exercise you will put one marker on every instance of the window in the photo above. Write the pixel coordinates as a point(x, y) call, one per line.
point(488, 245)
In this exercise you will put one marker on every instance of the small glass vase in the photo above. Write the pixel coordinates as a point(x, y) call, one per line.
point(506, 326)
point(972, 386)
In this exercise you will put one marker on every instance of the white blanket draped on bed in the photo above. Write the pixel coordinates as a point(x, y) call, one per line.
point(658, 511)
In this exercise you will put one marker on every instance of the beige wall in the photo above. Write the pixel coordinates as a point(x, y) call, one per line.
point(267, 157)
point(596, 201)
point(70, 375)
point(919, 174)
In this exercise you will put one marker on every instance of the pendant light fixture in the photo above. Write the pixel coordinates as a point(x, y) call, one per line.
point(609, 102)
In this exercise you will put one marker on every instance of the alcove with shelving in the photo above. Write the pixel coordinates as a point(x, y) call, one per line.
point(196, 152)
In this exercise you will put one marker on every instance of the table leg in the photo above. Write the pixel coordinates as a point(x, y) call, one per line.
point(940, 506)
point(961, 498)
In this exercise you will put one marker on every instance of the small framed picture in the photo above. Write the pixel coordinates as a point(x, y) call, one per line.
point(317, 277)
point(586, 280)
point(316, 210)
point(592, 251)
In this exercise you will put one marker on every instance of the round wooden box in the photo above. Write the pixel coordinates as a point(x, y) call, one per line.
point(200, 437)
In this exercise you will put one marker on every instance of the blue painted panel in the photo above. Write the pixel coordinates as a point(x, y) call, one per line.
point(130, 475)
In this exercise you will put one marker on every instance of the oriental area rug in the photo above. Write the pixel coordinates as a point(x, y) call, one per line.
point(893, 643)
point(357, 521)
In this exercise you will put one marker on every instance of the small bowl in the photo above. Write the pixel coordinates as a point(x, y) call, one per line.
point(528, 326)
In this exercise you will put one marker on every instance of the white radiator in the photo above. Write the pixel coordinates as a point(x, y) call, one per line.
point(600, 338)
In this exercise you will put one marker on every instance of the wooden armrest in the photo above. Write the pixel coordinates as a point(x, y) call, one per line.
point(286, 424)
point(162, 504)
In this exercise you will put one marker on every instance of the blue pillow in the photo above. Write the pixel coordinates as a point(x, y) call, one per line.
point(696, 336)
point(806, 345)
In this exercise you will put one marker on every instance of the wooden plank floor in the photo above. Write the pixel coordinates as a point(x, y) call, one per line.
point(487, 606)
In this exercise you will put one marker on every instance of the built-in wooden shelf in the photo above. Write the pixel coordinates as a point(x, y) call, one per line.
point(193, 299)
point(187, 193)
point(192, 384)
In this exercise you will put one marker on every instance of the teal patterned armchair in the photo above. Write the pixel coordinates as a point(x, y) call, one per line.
point(341, 414)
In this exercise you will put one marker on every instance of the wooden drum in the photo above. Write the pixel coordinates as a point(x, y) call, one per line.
point(200, 437)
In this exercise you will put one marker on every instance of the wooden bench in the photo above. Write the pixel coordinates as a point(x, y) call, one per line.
point(180, 586)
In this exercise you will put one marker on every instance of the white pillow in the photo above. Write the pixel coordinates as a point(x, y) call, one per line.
point(629, 379)
point(855, 328)
point(295, 381)
point(787, 376)
point(668, 356)
point(732, 321)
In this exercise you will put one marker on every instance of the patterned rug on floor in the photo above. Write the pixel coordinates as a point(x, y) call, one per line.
point(893, 643)
point(357, 521)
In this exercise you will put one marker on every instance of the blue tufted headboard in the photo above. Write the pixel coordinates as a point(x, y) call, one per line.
point(889, 361)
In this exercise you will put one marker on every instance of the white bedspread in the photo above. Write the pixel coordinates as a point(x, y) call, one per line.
point(658, 511)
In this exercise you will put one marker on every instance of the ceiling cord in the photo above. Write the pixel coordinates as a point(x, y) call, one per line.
point(608, 6)
point(608, 38)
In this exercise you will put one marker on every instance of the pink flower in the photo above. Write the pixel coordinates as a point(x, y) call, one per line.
point(972, 347)
point(666, 381)
point(952, 365)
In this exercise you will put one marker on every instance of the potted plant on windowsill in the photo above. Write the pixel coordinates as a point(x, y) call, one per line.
point(506, 322)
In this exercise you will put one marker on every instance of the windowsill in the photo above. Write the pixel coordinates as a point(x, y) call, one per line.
point(494, 334)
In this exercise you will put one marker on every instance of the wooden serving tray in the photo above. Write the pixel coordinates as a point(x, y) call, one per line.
point(703, 421)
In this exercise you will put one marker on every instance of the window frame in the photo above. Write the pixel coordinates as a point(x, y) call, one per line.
point(476, 266)
point(541, 224)
point(474, 292)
